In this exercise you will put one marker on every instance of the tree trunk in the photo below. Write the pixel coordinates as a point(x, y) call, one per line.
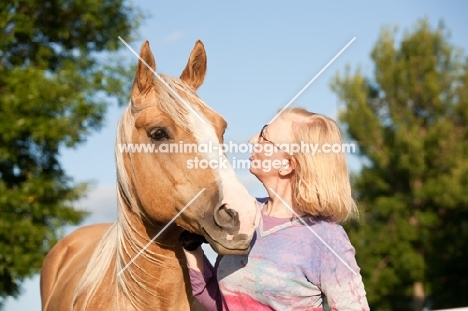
point(418, 296)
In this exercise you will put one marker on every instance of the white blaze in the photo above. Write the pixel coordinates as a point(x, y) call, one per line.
point(233, 193)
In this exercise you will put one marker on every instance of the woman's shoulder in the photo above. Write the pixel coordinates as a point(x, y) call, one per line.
point(322, 222)
point(330, 231)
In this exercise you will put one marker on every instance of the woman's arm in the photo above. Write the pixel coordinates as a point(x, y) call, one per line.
point(202, 277)
point(195, 259)
point(342, 283)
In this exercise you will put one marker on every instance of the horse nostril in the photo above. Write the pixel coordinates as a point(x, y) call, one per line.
point(231, 212)
point(227, 219)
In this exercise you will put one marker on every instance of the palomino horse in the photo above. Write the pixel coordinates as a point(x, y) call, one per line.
point(101, 267)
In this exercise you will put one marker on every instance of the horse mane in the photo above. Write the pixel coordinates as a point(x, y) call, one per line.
point(111, 251)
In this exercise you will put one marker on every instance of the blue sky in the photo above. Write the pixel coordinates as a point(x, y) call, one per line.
point(260, 54)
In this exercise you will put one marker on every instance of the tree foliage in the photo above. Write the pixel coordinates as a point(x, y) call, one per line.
point(410, 121)
point(55, 86)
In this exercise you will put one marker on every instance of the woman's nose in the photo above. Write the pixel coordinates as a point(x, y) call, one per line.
point(254, 139)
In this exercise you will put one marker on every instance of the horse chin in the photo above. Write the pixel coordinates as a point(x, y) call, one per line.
point(239, 245)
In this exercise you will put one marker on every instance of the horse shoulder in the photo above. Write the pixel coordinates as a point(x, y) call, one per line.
point(65, 263)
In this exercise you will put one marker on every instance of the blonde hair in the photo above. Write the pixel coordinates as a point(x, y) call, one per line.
point(320, 185)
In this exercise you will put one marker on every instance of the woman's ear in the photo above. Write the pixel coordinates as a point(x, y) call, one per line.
point(288, 165)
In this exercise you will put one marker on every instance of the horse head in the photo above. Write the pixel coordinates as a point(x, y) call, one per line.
point(179, 131)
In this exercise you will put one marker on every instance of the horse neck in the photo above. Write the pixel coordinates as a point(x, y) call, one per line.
point(151, 272)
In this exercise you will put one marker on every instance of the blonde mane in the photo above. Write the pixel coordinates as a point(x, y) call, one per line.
point(112, 248)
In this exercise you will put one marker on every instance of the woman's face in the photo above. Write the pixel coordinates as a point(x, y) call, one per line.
point(268, 155)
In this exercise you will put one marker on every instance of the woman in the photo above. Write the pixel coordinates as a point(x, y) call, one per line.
point(299, 254)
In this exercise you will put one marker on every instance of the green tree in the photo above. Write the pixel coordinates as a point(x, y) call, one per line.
point(57, 79)
point(410, 121)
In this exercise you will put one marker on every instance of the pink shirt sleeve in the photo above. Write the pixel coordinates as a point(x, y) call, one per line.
point(205, 286)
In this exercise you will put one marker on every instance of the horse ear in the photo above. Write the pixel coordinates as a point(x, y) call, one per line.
point(194, 72)
point(144, 75)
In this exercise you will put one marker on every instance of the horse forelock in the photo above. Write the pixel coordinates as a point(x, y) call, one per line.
point(177, 110)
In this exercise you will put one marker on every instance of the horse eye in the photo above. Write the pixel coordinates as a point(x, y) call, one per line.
point(159, 134)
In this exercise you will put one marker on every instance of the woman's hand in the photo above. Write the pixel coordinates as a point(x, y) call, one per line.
point(193, 252)
point(191, 241)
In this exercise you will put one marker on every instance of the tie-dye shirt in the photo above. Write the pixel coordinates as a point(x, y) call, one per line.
point(290, 267)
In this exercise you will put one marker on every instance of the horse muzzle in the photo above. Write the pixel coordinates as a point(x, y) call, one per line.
point(226, 244)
